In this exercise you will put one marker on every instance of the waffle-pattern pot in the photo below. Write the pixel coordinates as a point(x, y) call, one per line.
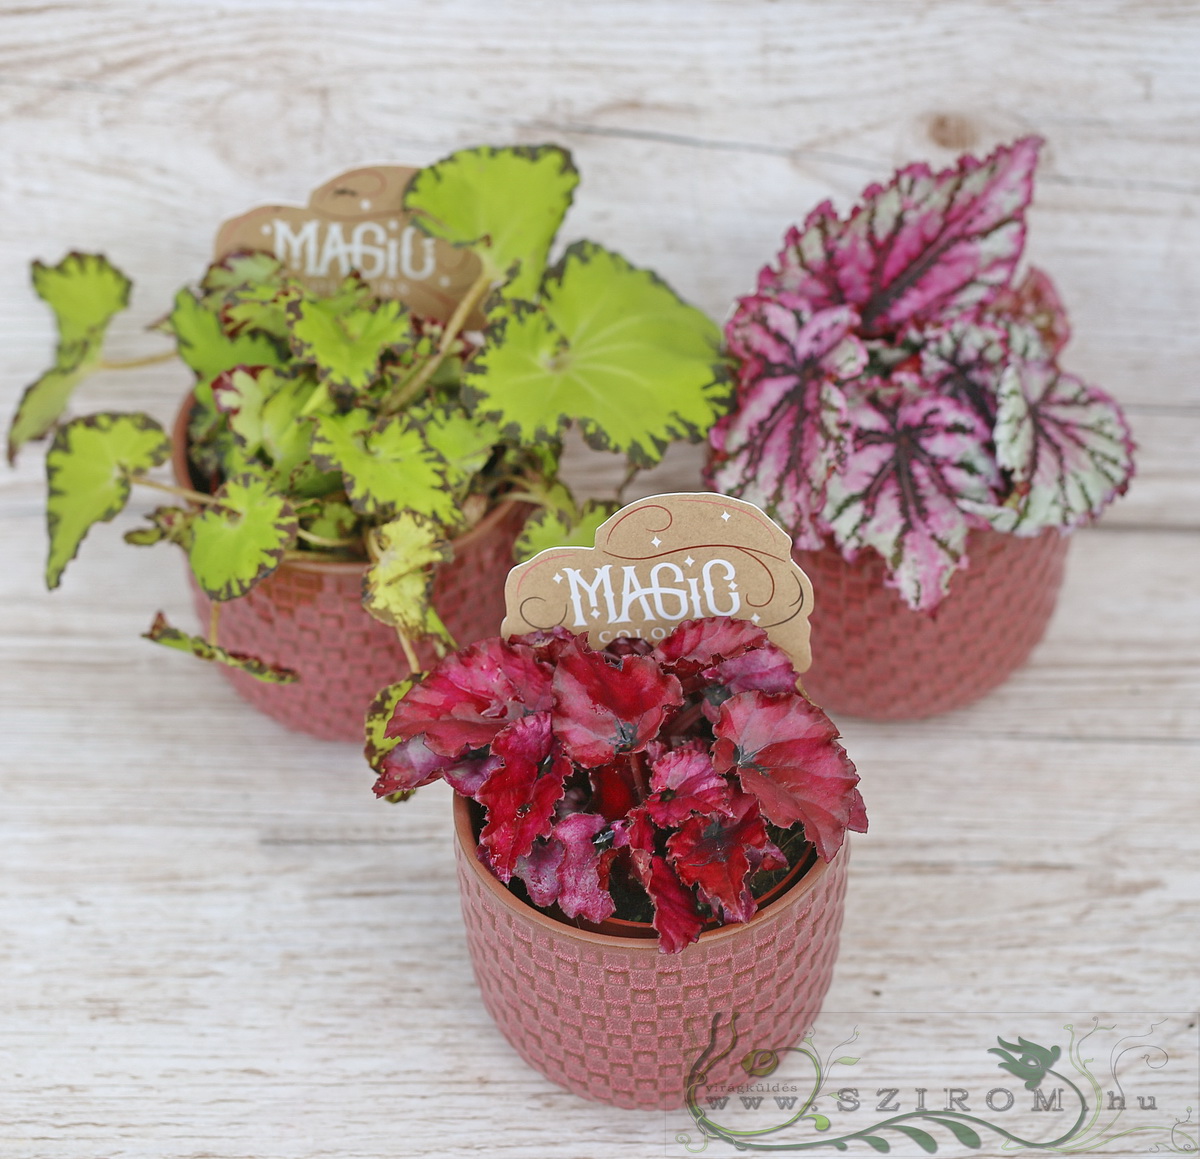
point(874, 657)
point(616, 1020)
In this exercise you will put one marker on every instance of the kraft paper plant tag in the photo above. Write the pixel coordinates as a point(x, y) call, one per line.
point(355, 222)
point(662, 560)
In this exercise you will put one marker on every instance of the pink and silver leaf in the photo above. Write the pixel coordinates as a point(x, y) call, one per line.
point(1066, 445)
point(779, 446)
point(926, 246)
point(912, 460)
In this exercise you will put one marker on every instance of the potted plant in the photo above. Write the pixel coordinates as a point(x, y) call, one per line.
point(646, 835)
point(337, 446)
point(901, 410)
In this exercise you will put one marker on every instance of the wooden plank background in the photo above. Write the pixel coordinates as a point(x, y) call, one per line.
point(213, 941)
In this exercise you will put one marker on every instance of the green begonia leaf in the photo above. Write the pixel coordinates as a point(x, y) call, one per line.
point(241, 538)
point(386, 469)
point(161, 632)
point(612, 348)
point(85, 292)
point(88, 468)
point(398, 583)
point(244, 268)
point(173, 524)
point(347, 346)
point(464, 442)
point(379, 715)
point(207, 349)
point(333, 519)
point(261, 307)
point(503, 204)
point(239, 396)
point(555, 528)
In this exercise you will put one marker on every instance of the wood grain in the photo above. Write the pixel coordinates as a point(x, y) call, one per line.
point(213, 941)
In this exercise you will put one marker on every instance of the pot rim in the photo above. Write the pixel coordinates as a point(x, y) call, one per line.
point(465, 838)
point(179, 468)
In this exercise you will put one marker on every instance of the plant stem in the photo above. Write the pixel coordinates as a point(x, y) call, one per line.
point(629, 477)
point(182, 492)
point(412, 387)
point(214, 618)
point(410, 653)
point(134, 363)
point(324, 541)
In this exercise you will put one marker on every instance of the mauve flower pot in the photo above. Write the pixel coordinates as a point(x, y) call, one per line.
point(308, 616)
point(873, 657)
point(616, 1020)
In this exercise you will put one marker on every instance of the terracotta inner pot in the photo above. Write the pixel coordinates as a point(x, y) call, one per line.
point(308, 616)
point(614, 1018)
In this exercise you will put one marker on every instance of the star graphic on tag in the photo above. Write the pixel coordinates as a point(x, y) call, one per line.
point(725, 516)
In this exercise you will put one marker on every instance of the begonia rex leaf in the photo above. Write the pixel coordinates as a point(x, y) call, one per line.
point(1065, 443)
point(611, 348)
point(604, 705)
point(471, 695)
point(88, 470)
point(552, 527)
point(521, 794)
point(505, 205)
point(241, 538)
point(785, 751)
point(925, 246)
point(161, 632)
point(397, 585)
point(910, 464)
point(784, 440)
point(718, 853)
point(85, 291)
point(387, 467)
point(207, 348)
point(347, 346)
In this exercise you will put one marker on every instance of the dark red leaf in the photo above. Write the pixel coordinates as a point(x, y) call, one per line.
point(684, 782)
point(472, 694)
point(538, 869)
point(520, 795)
point(412, 764)
point(581, 874)
point(676, 917)
point(786, 753)
point(605, 705)
point(718, 854)
point(698, 644)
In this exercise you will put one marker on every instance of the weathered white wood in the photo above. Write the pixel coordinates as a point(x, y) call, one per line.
point(213, 941)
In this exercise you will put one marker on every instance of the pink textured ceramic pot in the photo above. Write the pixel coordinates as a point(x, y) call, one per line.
point(616, 1020)
point(308, 616)
point(873, 657)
